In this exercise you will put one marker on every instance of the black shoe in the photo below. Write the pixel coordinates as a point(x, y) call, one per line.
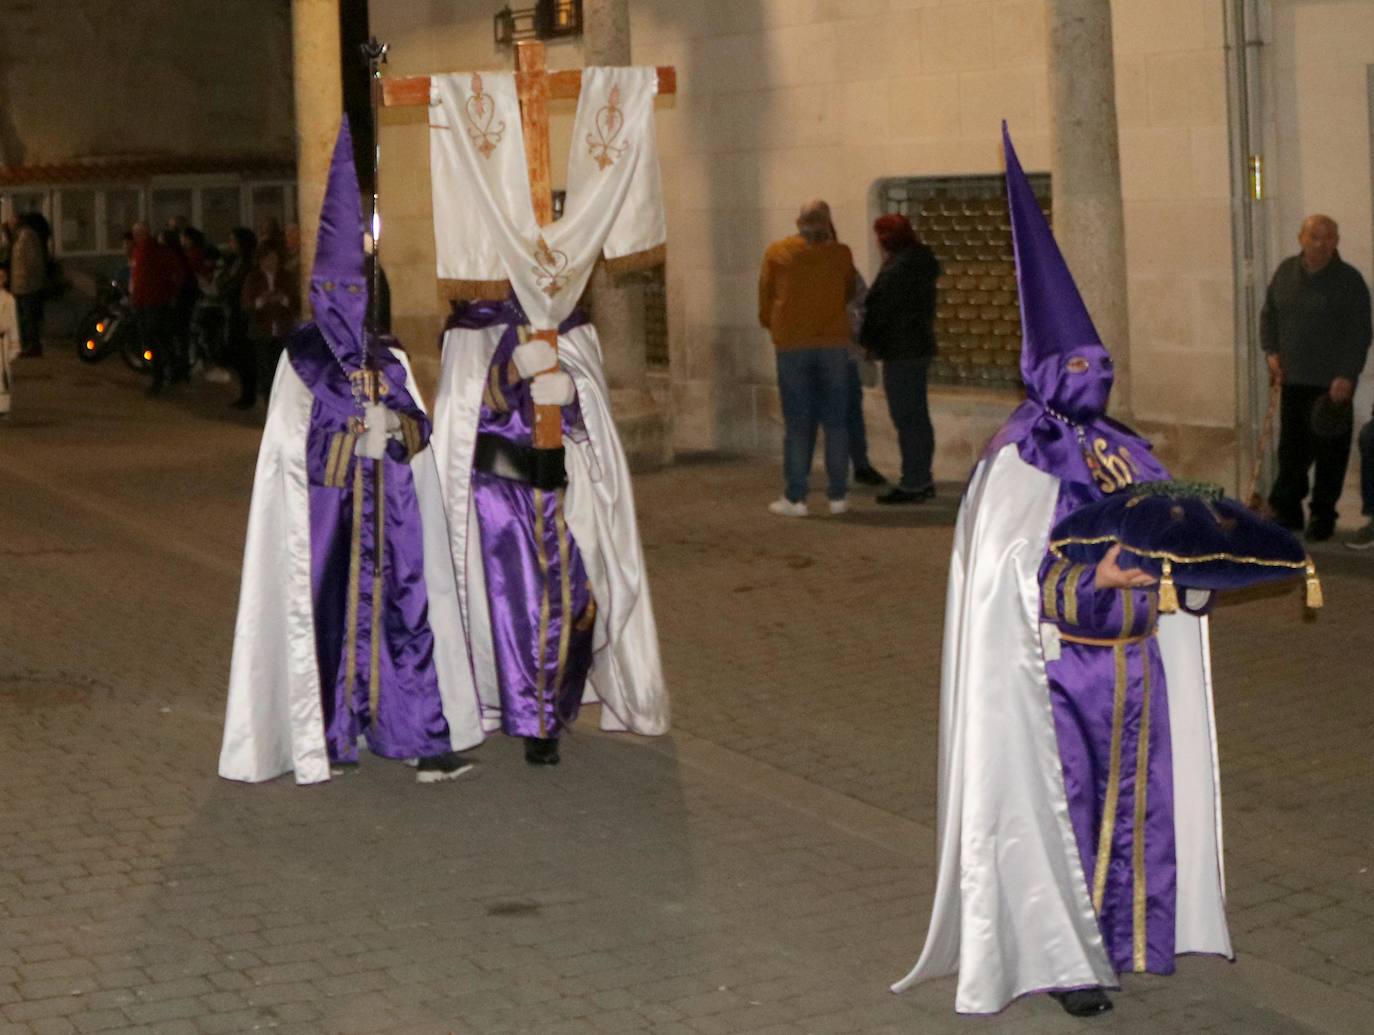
point(868, 476)
point(900, 495)
point(1363, 539)
point(243, 403)
point(541, 750)
point(1083, 1002)
point(448, 766)
point(1320, 529)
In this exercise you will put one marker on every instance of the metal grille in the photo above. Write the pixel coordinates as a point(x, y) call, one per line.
point(964, 220)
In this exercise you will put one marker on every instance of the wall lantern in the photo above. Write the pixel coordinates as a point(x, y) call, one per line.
point(547, 19)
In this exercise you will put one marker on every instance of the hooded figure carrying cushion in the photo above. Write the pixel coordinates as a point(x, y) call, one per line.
point(1079, 819)
point(340, 636)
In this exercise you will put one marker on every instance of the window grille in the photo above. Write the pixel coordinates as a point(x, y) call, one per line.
point(964, 220)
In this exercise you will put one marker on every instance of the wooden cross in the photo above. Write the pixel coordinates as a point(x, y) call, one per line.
point(536, 86)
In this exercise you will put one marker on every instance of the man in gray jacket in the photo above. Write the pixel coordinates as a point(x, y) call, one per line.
point(1315, 329)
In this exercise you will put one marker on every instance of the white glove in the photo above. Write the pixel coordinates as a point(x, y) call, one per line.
point(372, 442)
point(534, 357)
point(553, 389)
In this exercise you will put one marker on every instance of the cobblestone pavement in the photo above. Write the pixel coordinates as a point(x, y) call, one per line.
point(766, 868)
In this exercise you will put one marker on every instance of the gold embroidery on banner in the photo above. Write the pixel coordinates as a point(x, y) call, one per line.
point(601, 142)
point(480, 112)
point(374, 676)
point(550, 268)
point(1113, 796)
point(565, 593)
point(539, 677)
point(1142, 790)
point(1049, 592)
point(355, 558)
point(1071, 593)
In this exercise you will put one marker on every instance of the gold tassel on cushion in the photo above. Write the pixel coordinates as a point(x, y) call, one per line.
point(1314, 588)
point(1168, 595)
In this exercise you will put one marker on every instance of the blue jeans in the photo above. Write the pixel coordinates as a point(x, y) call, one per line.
point(858, 434)
point(904, 381)
point(1367, 470)
point(814, 385)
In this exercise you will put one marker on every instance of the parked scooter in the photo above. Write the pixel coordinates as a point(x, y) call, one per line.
point(109, 327)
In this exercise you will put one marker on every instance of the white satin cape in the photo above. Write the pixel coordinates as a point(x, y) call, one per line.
point(1012, 913)
point(274, 721)
point(626, 673)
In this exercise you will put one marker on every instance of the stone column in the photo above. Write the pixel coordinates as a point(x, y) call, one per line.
point(318, 89)
point(1089, 222)
point(617, 304)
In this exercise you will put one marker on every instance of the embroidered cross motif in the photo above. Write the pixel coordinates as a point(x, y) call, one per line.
point(610, 120)
point(480, 112)
point(550, 268)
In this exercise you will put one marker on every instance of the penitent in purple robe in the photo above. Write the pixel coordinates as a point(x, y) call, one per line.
point(540, 599)
point(1109, 697)
point(373, 642)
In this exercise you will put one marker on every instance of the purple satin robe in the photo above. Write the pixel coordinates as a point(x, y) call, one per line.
point(540, 600)
point(410, 719)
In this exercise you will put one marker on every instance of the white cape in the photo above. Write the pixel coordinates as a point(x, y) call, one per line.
point(274, 720)
point(626, 673)
point(1012, 913)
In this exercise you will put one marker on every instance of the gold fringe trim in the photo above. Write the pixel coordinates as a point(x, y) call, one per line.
point(1165, 555)
point(1168, 594)
point(1314, 588)
point(636, 261)
point(473, 290)
point(1142, 790)
point(1113, 796)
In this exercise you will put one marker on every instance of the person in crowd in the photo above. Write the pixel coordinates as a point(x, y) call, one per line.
point(864, 471)
point(28, 282)
point(805, 284)
point(1315, 330)
point(154, 285)
point(179, 267)
point(270, 233)
point(899, 330)
point(9, 343)
point(1364, 538)
point(269, 306)
point(236, 263)
point(291, 252)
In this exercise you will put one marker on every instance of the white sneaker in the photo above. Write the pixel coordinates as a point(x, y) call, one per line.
point(839, 506)
point(786, 508)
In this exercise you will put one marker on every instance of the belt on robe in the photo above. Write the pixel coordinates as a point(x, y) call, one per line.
point(1118, 641)
point(542, 468)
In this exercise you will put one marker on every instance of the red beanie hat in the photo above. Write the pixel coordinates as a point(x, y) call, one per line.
point(894, 231)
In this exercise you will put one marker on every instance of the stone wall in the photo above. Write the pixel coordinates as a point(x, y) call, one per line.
point(96, 78)
point(780, 100)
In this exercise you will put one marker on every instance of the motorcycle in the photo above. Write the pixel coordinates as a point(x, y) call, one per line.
point(109, 327)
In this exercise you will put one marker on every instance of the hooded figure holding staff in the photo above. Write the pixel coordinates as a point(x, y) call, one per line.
point(340, 636)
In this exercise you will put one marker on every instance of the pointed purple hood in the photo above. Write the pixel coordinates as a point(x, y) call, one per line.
point(1062, 427)
point(338, 280)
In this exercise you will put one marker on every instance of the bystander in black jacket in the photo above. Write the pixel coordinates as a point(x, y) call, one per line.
point(899, 312)
point(1318, 323)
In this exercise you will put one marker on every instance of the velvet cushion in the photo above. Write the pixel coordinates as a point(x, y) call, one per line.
point(1210, 542)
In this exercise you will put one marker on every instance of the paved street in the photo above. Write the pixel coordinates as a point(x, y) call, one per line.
point(765, 868)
